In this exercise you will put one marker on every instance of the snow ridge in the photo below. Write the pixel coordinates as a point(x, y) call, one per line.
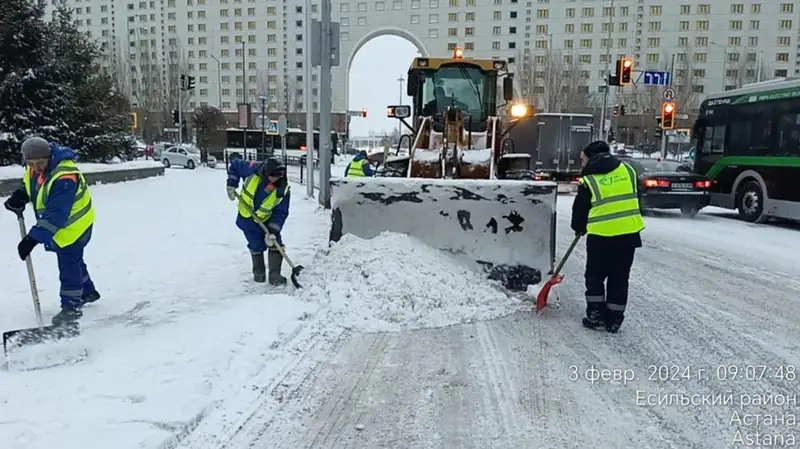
point(395, 282)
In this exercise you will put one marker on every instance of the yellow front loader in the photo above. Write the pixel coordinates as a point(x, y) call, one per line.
point(457, 189)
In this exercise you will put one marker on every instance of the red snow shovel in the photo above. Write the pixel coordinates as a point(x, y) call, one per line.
point(556, 278)
point(296, 269)
point(42, 333)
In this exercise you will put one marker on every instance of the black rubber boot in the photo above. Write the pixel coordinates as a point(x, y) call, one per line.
point(259, 269)
point(91, 297)
point(67, 316)
point(594, 319)
point(614, 321)
point(275, 264)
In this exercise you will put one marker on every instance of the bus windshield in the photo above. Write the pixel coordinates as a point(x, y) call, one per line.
point(463, 86)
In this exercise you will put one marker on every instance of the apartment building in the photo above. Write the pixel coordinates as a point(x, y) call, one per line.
point(230, 44)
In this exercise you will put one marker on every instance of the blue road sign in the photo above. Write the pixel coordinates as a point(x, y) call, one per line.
point(656, 78)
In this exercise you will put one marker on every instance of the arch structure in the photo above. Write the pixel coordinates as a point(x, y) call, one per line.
point(359, 28)
point(349, 48)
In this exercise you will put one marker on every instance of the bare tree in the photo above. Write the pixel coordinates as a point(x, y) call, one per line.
point(154, 79)
point(287, 95)
point(118, 66)
point(747, 70)
point(554, 82)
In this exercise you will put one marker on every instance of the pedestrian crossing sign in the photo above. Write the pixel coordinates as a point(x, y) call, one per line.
point(272, 128)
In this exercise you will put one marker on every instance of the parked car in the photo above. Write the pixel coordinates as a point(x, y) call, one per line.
point(670, 185)
point(187, 156)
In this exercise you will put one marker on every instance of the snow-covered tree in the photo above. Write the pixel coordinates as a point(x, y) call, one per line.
point(32, 97)
point(51, 85)
point(98, 114)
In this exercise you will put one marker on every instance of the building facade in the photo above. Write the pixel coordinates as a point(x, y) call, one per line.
point(240, 50)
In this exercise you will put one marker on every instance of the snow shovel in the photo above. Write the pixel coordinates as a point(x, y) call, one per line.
point(296, 269)
point(42, 333)
point(556, 278)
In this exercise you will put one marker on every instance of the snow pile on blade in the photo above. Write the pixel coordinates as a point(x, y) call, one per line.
point(394, 282)
point(45, 355)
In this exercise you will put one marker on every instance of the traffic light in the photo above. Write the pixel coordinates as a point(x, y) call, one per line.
point(622, 110)
point(616, 110)
point(189, 82)
point(183, 82)
point(175, 117)
point(625, 71)
point(668, 115)
point(364, 113)
point(134, 120)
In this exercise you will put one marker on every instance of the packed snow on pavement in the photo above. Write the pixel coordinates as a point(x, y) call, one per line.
point(16, 171)
point(180, 324)
point(707, 358)
point(183, 350)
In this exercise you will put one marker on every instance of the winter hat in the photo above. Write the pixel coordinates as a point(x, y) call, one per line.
point(595, 148)
point(35, 148)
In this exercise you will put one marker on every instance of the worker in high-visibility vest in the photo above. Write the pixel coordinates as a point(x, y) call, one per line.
point(63, 208)
point(359, 166)
point(265, 198)
point(606, 208)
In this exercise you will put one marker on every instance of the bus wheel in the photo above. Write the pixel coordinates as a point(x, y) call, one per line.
point(750, 202)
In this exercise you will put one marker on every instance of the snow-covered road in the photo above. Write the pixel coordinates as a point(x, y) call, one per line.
point(184, 351)
point(706, 359)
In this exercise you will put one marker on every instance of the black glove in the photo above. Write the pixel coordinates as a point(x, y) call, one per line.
point(25, 247)
point(17, 201)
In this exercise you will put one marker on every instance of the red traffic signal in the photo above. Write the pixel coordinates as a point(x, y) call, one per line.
point(364, 113)
point(625, 71)
point(668, 111)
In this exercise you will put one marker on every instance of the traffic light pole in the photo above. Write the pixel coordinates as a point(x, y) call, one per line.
point(180, 109)
point(603, 131)
point(663, 144)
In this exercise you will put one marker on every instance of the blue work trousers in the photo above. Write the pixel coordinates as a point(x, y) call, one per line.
point(74, 276)
point(256, 240)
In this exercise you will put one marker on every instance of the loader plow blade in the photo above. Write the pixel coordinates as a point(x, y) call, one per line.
point(505, 229)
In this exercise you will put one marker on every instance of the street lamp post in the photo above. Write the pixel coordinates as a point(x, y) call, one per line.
point(607, 77)
point(724, 62)
point(219, 81)
point(263, 124)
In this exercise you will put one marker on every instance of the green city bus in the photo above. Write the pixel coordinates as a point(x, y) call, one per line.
point(747, 143)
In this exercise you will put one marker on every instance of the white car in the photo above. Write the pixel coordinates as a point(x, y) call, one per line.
point(185, 156)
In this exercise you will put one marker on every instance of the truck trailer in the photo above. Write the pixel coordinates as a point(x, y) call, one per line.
point(554, 141)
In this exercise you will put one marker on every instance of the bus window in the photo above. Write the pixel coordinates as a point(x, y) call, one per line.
point(713, 140)
point(789, 135)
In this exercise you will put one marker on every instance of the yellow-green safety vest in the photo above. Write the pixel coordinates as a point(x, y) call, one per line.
point(615, 203)
point(356, 169)
point(247, 200)
point(81, 217)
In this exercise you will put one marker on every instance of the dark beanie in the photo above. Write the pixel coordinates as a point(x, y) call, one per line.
point(35, 148)
point(595, 148)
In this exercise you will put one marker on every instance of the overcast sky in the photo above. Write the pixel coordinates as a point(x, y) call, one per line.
point(374, 85)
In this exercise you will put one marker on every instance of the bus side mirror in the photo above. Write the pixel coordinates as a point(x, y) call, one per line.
point(508, 88)
point(412, 83)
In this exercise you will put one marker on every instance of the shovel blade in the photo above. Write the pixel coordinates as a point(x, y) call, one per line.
point(541, 298)
point(37, 335)
point(296, 272)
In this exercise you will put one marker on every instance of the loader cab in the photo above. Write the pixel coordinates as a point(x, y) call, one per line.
point(469, 85)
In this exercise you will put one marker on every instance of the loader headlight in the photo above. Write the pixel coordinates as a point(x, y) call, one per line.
point(519, 111)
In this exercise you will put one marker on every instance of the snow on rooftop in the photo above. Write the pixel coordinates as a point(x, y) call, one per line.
point(395, 282)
